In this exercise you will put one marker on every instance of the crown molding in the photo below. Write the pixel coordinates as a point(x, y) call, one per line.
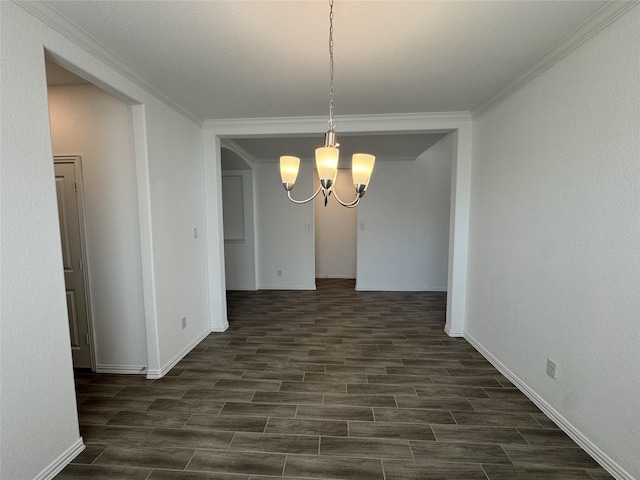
point(304, 125)
point(401, 122)
point(597, 22)
point(68, 29)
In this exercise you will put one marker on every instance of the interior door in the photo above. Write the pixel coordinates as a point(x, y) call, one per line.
point(71, 222)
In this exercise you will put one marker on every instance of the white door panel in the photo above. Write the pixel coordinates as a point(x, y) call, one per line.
point(69, 214)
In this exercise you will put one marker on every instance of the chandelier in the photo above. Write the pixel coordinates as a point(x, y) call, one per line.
point(327, 156)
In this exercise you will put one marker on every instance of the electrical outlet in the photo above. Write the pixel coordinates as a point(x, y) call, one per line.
point(184, 322)
point(551, 368)
point(279, 273)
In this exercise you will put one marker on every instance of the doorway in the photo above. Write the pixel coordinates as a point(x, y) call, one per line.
point(335, 231)
point(89, 121)
point(238, 221)
point(70, 198)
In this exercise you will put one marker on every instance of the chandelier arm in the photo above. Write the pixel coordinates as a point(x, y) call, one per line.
point(303, 201)
point(330, 141)
point(348, 205)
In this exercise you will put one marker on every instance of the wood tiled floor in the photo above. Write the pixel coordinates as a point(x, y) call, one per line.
point(330, 384)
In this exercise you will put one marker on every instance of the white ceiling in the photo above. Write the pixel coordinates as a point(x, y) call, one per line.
point(260, 58)
point(253, 59)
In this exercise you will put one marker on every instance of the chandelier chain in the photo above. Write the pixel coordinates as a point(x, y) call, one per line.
point(327, 157)
point(332, 123)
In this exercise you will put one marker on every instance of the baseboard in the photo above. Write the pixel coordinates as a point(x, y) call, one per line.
point(587, 445)
point(395, 288)
point(62, 461)
point(287, 287)
point(120, 369)
point(453, 333)
point(345, 276)
point(159, 373)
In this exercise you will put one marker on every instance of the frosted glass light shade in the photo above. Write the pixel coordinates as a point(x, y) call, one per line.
point(361, 168)
point(327, 162)
point(289, 167)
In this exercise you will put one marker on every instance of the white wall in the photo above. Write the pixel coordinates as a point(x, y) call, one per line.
point(554, 263)
point(89, 122)
point(239, 256)
point(405, 241)
point(38, 411)
point(403, 223)
point(177, 207)
point(282, 239)
point(336, 230)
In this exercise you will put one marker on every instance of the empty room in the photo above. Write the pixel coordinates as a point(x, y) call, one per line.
point(445, 288)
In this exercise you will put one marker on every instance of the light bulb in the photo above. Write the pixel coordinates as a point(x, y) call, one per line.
point(289, 167)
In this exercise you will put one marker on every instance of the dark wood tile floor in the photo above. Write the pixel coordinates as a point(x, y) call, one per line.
point(332, 384)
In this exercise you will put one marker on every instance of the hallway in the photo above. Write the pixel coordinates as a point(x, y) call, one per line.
point(326, 384)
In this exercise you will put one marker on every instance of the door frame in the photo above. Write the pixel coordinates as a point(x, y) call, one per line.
point(459, 124)
point(76, 160)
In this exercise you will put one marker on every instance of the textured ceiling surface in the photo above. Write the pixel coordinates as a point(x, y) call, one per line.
point(253, 59)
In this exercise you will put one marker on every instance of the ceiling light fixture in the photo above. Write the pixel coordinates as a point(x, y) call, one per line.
point(327, 156)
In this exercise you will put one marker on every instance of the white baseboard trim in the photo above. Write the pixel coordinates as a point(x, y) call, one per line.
point(154, 374)
point(62, 461)
point(395, 288)
point(120, 369)
point(287, 287)
point(587, 445)
point(220, 328)
point(346, 275)
point(453, 333)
